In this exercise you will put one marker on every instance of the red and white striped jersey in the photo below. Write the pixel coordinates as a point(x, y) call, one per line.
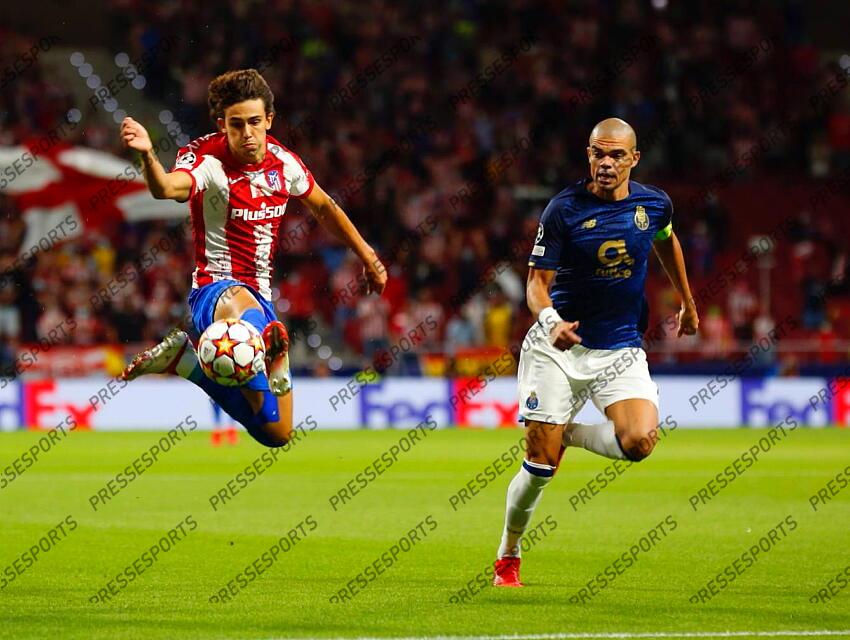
point(237, 208)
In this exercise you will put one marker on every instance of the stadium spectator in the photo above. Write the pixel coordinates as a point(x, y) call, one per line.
point(716, 334)
point(449, 167)
point(298, 301)
point(372, 320)
point(460, 332)
point(10, 315)
point(741, 307)
point(497, 319)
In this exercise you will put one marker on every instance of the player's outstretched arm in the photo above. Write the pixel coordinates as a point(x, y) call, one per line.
point(162, 185)
point(334, 219)
point(561, 332)
point(669, 252)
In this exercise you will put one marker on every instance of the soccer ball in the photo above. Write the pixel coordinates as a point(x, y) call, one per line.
point(231, 352)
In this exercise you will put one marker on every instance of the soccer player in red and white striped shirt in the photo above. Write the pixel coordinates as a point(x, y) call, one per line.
point(237, 182)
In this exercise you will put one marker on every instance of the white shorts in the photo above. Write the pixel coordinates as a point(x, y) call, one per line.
point(555, 384)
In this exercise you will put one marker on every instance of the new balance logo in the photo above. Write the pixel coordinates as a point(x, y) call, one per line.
point(258, 214)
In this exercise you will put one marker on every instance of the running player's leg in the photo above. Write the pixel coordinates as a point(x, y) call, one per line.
point(542, 454)
point(272, 423)
point(547, 403)
point(629, 401)
point(635, 423)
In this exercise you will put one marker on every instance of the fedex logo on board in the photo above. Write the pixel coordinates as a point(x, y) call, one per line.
point(36, 404)
point(464, 402)
point(391, 403)
point(478, 402)
point(765, 402)
point(90, 402)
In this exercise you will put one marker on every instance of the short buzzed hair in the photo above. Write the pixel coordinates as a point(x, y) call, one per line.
point(614, 128)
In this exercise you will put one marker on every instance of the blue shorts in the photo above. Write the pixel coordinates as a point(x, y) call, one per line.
point(202, 303)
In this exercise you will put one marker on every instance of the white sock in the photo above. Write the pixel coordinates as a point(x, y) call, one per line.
point(523, 495)
point(598, 438)
point(188, 362)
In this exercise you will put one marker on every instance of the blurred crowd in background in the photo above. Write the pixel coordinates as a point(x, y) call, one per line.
point(443, 130)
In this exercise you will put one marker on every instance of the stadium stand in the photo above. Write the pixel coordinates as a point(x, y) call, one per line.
point(474, 163)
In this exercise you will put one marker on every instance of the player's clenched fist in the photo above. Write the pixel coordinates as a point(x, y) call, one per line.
point(135, 136)
point(375, 275)
point(688, 321)
point(563, 335)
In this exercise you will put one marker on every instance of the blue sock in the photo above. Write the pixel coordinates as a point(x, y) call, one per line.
point(269, 411)
point(237, 406)
point(255, 317)
point(228, 398)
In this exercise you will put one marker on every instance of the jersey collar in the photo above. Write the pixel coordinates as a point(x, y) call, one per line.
point(586, 181)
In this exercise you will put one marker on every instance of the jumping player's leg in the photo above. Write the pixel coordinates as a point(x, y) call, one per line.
point(174, 355)
point(267, 418)
point(272, 424)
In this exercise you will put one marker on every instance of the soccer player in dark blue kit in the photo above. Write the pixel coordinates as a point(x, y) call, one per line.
point(587, 272)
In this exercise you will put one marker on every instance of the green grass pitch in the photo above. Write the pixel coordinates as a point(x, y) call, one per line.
point(170, 600)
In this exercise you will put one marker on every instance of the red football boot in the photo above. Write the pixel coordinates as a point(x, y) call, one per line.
point(506, 572)
point(276, 340)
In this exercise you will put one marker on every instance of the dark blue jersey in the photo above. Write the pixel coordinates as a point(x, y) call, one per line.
point(599, 250)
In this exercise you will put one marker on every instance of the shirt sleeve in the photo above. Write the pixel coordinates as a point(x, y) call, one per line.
point(299, 180)
point(546, 252)
point(666, 229)
point(197, 166)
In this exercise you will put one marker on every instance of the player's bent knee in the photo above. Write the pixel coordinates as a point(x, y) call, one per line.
point(638, 441)
point(272, 434)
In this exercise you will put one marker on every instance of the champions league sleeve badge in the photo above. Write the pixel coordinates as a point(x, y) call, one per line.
point(186, 161)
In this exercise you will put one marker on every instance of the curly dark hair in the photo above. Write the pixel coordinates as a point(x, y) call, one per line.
point(237, 86)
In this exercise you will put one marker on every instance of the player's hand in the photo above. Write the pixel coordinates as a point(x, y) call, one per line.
point(563, 335)
point(688, 321)
point(135, 136)
point(374, 276)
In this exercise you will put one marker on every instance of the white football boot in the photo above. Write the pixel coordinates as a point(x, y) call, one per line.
point(162, 358)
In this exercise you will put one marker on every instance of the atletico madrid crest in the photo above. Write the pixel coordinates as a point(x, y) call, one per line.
point(273, 179)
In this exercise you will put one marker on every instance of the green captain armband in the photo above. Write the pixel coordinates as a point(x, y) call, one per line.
point(664, 233)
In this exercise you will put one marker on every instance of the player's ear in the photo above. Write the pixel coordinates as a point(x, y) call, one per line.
point(219, 122)
point(269, 119)
point(589, 152)
point(636, 155)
